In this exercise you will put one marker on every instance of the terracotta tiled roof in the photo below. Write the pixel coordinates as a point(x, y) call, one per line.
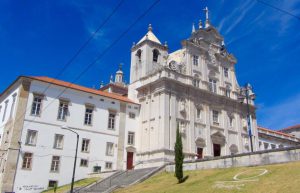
point(291, 127)
point(276, 132)
point(81, 88)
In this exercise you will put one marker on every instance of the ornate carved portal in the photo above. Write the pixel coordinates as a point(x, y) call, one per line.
point(200, 142)
point(233, 149)
point(218, 138)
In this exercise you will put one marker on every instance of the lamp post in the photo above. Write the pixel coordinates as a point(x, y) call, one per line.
point(247, 93)
point(74, 167)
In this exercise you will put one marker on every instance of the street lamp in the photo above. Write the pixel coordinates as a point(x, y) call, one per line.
point(247, 93)
point(74, 168)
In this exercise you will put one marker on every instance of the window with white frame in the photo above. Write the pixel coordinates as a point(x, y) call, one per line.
point(88, 115)
point(85, 146)
point(13, 105)
point(62, 110)
point(109, 149)
point(55, 164)
point(196, 81)
point(108, 165)
point(226, 72)
point(130, 140)
point(231, 120)
point(31, 137)
point(84, 163)
point(132, 115)
point(36, 105)
point(27, 160)
point(5, 109)
point(58, 141)
point(213, 85)
point(111, 120)
point(195, 60)
point(215, 116)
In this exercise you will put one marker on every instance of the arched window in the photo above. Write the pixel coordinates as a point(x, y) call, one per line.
point(139, 55)
point(155, 55)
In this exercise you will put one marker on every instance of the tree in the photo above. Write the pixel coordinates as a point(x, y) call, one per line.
point(178, 156)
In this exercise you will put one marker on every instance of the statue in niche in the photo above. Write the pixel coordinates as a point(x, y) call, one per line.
point(182, 106)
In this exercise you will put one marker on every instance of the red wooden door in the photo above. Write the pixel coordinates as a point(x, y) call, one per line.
point(217, 150)
point(129, 160)
point(199, 153)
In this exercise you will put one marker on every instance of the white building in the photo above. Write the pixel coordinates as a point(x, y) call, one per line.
point(270, 139)
point(194, 87)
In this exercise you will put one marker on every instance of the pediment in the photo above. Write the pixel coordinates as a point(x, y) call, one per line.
point(218, 138)
point(200, 142)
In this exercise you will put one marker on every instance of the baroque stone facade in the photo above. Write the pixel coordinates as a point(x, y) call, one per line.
point(195, 88)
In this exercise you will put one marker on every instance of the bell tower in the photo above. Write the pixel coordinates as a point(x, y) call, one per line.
point(146, 56)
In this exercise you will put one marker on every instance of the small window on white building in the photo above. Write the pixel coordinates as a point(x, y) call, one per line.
point(31, 137)
point(212, 85)
point(62, 110)
point(108, 165)
point(52, 183)
point(215, 116)
point(36, 105)
point(88, 115)
point(27, 161)
point(273, 146)
point(84, 163)
point(5, 109)
point(226, 72)
point(132, 115)
point(231, 121)
point(130, 138)
point(109, 149)
point(58, 141)
point(195, 60)
point(111, 120)
point(85, 146)
point(139, 55)
point(55, 164)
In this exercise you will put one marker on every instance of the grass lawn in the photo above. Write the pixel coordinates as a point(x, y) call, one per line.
point(79, 183)
point(280, 178)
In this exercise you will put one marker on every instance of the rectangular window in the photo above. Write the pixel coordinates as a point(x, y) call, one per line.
point(84, 163)
point(226, 72)
point(36, 105)
point(5, 108)
point(31, 137)
point(195, 60)
point(27, 161)
point(215, 116)
point(85, 145)
point(111, 120)
point(231, 121)
point(108, 165)
point(132, 115)
point(55, 164)
point(198, 113)
point(13, 105)
point(213, 85)
point(88, 116)
point(130, 138)
point(58, 141)
point(109, 149)
point(62, 110)
point(52, 183)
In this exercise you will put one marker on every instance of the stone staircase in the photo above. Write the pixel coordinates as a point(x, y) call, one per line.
point(120, 179)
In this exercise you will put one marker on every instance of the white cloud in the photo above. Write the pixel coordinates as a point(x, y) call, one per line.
point(281, 115)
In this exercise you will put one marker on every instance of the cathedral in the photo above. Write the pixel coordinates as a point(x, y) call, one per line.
point(125, 126)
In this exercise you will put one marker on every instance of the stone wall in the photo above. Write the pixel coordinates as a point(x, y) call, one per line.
point(274, 156)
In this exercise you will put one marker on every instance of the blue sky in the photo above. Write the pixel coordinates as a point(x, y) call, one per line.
point(39, 37)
